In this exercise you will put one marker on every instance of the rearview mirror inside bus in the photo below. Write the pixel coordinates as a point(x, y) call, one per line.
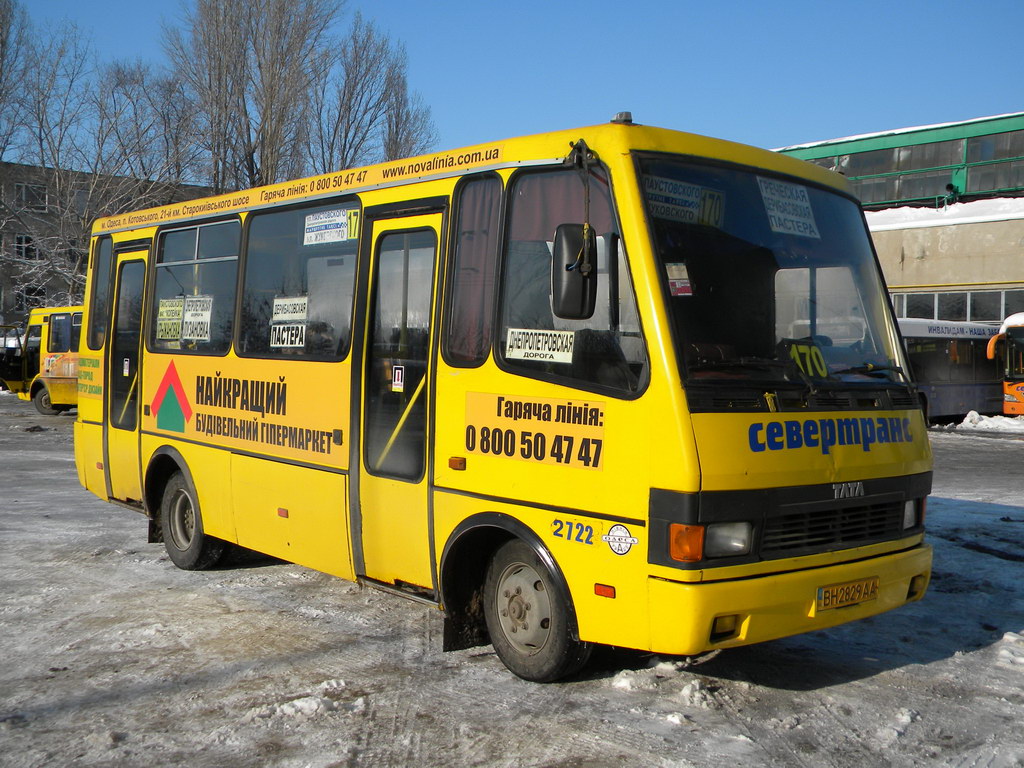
point(574, 273)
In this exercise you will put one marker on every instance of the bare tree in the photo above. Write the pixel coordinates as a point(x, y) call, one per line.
point(250, 65)
point(363, 112)
point(14, 65)
point(409, 129)
point(97, 142)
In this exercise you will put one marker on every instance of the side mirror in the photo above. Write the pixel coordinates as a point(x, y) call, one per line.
point(574, 273)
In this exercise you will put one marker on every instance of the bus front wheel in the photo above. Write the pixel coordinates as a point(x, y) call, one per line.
point(41, 400)
point(528, 617)
point(187, 545)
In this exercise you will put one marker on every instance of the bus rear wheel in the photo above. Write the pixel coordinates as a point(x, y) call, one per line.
point(41, 400)
point(187, 545)
point(528, 618)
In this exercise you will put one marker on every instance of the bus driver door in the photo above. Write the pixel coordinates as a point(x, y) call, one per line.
point(390, 512)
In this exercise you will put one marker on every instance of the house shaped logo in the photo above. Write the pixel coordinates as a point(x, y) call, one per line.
point(171, 406)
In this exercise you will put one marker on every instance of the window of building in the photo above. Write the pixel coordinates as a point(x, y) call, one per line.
point(952, 306)
point(918, 186)
point(921, 305)
point(1014, 303)
point(986, 306)
point(931, 155)
point(300, 271)
point(30, 197)
point(868, 163)
point(25, 247)
point(29, 297)
point(995, 146)
point(469, 330)
point(194, 300)
point(987, 178)
point(899, 304)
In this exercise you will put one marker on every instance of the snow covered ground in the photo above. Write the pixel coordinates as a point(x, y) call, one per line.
point(113, 657)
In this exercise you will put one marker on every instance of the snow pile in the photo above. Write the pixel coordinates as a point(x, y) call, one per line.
point(313, 705)
point(975, 421)
point(1011, 651)
point(976, 212)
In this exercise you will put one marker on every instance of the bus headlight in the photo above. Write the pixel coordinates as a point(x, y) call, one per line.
point(913, 513)
point(724, 539)
point(1009, 397)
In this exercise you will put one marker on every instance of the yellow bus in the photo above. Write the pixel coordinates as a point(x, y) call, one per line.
point(41, 363)
point(571, 389)
point(1008, 343)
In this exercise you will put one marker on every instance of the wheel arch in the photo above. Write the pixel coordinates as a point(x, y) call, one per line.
point(164, 462)
point(463, 570)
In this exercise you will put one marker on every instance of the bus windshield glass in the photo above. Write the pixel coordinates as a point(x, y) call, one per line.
point(1015, 353)
point(768, 280)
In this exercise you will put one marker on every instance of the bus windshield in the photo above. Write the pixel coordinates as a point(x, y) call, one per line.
point(1015, 353)
point(768, 280)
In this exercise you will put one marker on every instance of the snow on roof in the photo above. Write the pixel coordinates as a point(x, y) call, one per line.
point(976, 212)
point(896, 132)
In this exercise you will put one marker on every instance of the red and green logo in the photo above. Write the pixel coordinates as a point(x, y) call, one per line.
point(170, 406)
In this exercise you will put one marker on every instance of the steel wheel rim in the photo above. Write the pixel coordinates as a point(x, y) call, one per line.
point(183, 520)
point(523, 608)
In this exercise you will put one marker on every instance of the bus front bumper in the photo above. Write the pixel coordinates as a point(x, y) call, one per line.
point(683, 615)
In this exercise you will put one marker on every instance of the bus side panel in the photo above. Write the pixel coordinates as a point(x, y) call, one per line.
point(89, 457)
point(585, 560)
point(294, 513)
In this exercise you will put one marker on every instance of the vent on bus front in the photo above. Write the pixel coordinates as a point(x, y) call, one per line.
point(803, 533)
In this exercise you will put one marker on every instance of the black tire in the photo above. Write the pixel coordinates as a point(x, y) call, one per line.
point(528, 617)
point(41, 400)
point(187, 545)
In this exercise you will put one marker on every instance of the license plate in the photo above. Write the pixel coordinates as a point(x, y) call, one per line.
point(847, 593)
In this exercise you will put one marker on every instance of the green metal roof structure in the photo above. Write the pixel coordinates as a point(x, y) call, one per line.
point(928, 165)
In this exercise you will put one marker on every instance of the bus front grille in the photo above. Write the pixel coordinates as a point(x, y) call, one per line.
point(802, 533)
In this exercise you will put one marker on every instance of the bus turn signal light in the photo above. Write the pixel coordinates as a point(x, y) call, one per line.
point(686, 542)
point(604, 590)
point(457, 463)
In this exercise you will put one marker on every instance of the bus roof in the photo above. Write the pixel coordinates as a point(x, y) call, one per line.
point(914, 327)
point(1013, 321)
point(608, 138)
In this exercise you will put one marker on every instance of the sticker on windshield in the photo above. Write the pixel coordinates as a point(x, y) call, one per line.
point(788, 207)
point(530, 344)
point(196, 314)
point(678, 280)
point(169, 313)
point(680, 201)
point(331, 227)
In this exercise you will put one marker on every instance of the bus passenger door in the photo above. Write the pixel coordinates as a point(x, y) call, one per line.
point(390, 519)
point(121, 425)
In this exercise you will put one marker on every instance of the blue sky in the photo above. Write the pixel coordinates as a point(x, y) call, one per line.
point(764, 73)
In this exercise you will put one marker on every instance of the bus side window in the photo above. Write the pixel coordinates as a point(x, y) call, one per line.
point(604, 350)
point(194, 301)
point(467, 339)
point(299, 278)
point(60, 333)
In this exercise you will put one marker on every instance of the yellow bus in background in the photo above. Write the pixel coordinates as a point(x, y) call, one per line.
point(615, 385)
point(41, 363)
